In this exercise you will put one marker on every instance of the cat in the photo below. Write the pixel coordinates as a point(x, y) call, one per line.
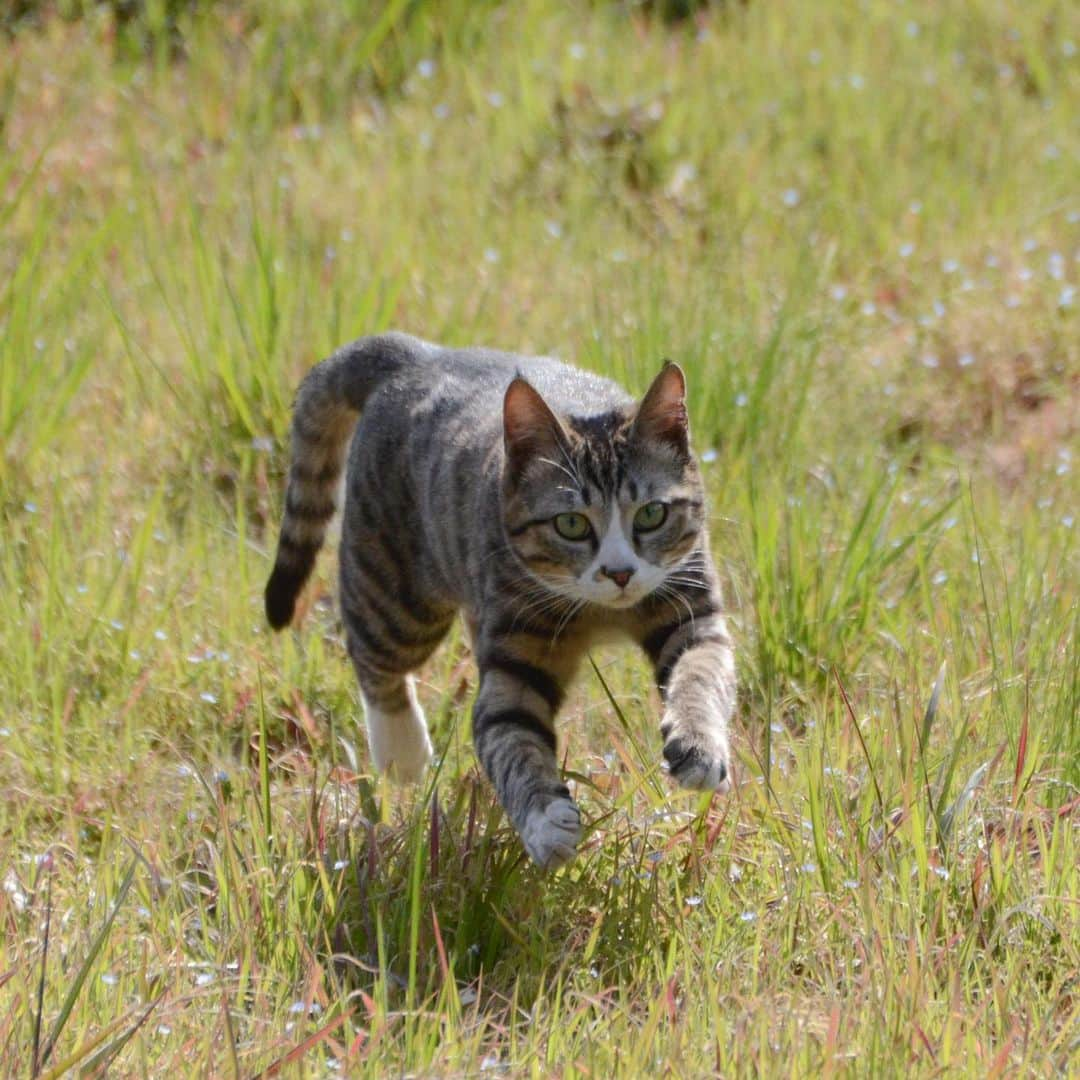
point(548, 506)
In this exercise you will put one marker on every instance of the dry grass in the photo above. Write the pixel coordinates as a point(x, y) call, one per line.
point(859, 233)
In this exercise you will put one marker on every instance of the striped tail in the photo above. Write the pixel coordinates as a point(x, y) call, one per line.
point(328, 404)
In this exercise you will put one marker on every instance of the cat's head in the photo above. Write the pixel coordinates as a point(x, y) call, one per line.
point(602, 508)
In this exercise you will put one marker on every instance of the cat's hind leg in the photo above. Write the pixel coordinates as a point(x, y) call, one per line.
point(386, 642)
point(396, 727)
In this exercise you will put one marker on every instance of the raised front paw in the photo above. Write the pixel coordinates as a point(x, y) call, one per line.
point(697, 760)
point(551, 834)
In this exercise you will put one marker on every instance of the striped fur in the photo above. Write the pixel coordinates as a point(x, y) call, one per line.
point(511, 488)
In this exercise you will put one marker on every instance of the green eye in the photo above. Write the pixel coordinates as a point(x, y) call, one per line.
point(572, 526)
point(650, 516)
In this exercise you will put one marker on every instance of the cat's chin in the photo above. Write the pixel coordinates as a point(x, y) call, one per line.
point(620, 602)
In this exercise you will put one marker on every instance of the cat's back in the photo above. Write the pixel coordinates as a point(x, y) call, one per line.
point(465, 387)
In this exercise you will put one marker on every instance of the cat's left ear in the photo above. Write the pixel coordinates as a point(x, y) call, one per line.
point(661, 417)
point(530, 428)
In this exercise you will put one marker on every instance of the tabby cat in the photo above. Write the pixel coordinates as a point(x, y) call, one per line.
point(546, 504)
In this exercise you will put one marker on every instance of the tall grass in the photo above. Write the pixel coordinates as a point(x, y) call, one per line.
point(857, 230)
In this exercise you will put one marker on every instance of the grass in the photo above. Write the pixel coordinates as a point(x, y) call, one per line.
point(857, 228)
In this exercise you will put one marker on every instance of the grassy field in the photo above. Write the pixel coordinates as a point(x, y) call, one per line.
point(856, 226)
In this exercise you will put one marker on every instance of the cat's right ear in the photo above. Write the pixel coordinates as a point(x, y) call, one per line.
point(530, 428)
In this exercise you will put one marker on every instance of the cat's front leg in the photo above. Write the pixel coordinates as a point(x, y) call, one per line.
point(514, 735)
point(695, 672)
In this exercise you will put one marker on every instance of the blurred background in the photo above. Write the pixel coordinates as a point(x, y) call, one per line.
point(856, 226)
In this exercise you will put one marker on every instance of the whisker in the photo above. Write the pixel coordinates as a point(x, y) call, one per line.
point(671, 595)
point(575, 608)
point(562, 468)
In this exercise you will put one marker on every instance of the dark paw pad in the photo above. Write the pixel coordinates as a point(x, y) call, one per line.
point(678, 753)
point(692, 766)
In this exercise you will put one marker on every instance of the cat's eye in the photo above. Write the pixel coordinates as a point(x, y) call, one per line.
point(572, 526)
point(650, 516)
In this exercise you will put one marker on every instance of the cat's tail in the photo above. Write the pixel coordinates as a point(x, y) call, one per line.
point(328, 404)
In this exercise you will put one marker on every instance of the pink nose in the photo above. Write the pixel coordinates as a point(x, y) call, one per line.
point(620, 577)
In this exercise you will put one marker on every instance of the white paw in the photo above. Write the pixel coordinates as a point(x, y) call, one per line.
point(701, 762)
point(551, 835)
point(399, 742)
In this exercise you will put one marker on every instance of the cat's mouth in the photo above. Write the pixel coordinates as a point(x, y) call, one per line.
point(625, 599)
point(621, 600)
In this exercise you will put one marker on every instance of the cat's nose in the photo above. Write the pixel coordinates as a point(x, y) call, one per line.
point(620, 577)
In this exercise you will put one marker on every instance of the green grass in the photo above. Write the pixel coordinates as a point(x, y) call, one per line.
point(857, 227)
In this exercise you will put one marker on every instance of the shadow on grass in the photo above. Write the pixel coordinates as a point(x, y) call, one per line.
point(451, 895)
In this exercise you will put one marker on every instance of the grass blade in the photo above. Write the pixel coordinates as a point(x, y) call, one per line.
point(37, 1059)
point(88, 962)
point(862, 741)
point(298, 1051)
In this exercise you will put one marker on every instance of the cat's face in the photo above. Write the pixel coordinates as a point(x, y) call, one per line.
point(602, 509)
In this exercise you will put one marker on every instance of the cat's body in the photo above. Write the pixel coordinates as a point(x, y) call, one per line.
point(550, 528)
